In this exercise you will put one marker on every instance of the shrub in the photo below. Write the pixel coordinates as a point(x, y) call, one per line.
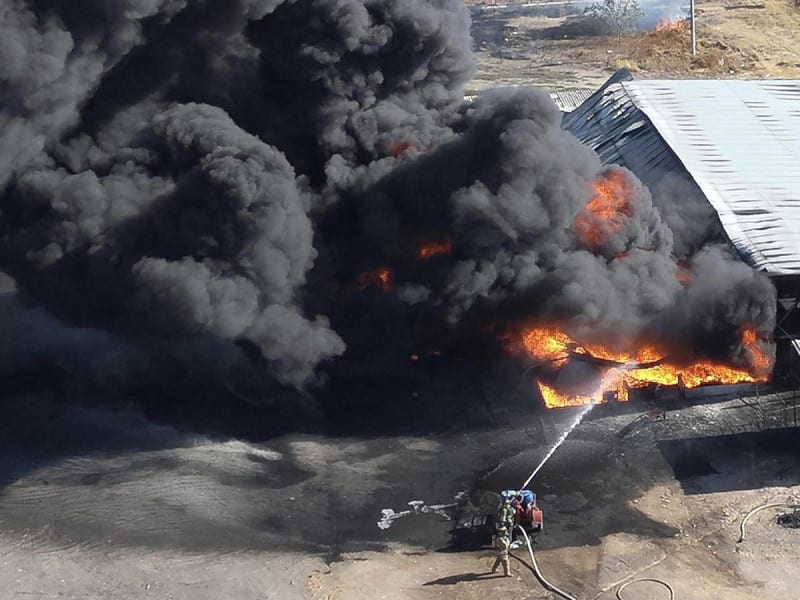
point(618, 16)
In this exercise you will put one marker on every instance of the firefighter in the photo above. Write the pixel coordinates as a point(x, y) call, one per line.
point(502, 542)
point(504, 525)
point(506, 514)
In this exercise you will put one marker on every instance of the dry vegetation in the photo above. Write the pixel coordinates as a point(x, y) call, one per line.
point(752, 39)
point(743, 40)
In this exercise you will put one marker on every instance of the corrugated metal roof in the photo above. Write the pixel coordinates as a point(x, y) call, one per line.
point(738, 140)
point(568, 100)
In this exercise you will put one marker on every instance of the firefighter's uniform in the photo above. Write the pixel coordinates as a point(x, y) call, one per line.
point(505, 516)
point(504, 524)
point(502, 541)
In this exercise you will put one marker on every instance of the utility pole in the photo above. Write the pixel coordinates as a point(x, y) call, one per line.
point(694, 38)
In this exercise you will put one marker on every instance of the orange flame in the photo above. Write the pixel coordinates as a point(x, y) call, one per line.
point(430, 249)
point(666, 24)
point(552, 399)
point(552, 343)
point(761, 361)
point(645, 353)
point(643, 366)
point(605, 214)
point(547, 344)
point(381, 278)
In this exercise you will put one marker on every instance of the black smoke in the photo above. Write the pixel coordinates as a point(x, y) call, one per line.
point(195, 187)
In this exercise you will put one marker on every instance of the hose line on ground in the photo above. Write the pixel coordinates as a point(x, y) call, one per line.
point(548, 586)
point(743, 522)
point(650, 579)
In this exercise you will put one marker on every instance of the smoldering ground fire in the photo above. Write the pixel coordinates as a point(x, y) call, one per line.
point(182, 172)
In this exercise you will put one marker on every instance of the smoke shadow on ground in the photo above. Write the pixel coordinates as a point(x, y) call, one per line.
point(101, 478)
point(36, 431)
point(94, 473)
point(734, 462)
point(105, 478)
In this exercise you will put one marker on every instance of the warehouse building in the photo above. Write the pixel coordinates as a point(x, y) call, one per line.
point(735, 143)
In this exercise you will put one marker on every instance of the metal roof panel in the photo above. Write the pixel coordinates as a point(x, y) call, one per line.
point(738, 140)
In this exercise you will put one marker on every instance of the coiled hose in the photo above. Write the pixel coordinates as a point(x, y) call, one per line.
point(650, 579)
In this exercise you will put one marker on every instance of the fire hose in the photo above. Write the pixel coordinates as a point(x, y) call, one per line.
point(547, 585)
point(650, 579)
point(551, 588)
point(746, 518)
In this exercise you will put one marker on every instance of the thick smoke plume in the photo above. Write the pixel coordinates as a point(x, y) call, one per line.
point(176, 170)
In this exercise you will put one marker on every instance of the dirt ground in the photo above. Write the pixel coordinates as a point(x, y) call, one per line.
point(750, 39)
point(156, 513)
point(663, 502)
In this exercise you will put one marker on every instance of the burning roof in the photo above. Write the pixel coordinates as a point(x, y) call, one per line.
point(735, 143)
point(174, 172)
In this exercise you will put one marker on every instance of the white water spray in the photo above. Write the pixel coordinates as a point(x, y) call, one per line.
point(578, 418)
point(609, 379)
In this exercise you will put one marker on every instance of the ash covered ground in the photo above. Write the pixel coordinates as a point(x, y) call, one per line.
point(257, 260)
point(100, 503)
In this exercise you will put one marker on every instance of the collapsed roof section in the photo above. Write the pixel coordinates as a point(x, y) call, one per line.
point(739, 141)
